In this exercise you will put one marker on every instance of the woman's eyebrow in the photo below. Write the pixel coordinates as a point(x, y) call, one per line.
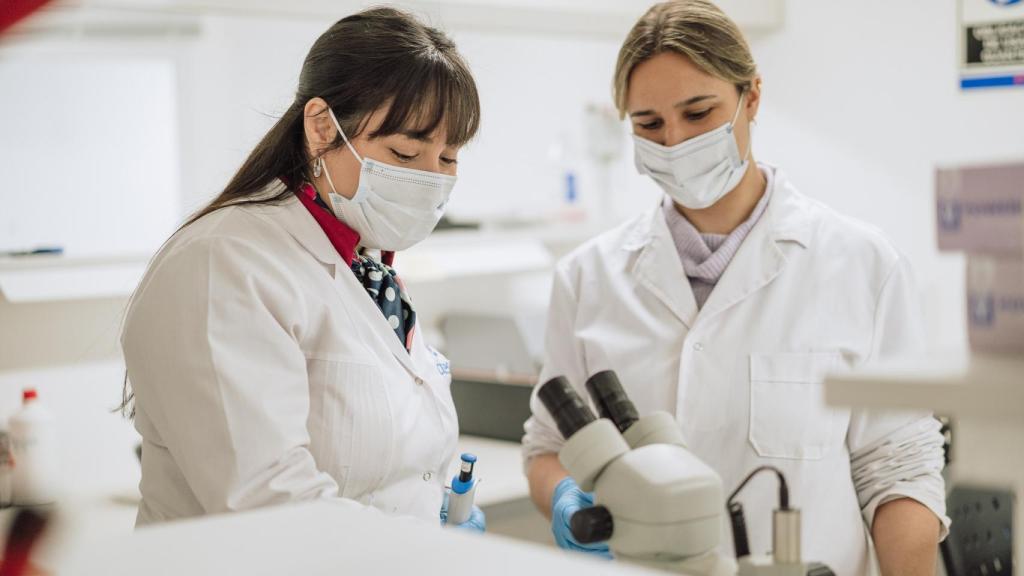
point(694, 100)
point(680, 104)
point(413, 135)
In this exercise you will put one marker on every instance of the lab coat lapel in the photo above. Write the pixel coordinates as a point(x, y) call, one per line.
point(659, 270)
point(348, 284)
point(294, 217)
point(762, 256)
point(296, 220)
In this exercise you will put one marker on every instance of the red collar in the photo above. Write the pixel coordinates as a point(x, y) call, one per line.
point(344, 239)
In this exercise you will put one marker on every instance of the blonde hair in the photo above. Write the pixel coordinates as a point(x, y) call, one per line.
point(696, 29)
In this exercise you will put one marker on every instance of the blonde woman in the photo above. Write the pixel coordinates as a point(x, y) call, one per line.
point(727, 302)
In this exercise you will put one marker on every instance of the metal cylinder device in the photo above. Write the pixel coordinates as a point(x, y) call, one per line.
point(786, 536)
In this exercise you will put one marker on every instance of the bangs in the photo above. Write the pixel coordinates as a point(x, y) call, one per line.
point(437, 93)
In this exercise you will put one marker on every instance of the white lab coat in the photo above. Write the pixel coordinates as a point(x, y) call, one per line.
point(808, 291)
point(264, 374)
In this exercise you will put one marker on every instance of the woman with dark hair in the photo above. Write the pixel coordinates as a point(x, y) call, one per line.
point(272, 351)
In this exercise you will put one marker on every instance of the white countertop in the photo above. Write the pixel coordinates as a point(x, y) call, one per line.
point(95, 535)
point(960, 384)
point(321, 538)
point(90, 519)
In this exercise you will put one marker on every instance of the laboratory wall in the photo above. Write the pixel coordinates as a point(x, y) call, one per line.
point(861, 103)
point(858, 120)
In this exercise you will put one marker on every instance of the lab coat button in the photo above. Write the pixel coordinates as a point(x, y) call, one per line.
point(698, 347)
point(419, 381)
point(427, 476)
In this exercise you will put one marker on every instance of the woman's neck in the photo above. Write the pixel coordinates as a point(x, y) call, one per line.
point(733, 209)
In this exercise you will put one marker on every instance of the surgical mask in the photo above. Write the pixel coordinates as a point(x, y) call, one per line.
point(697, 172)
point(393, 208)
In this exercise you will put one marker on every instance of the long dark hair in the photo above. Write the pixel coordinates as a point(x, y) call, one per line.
point(376, 57)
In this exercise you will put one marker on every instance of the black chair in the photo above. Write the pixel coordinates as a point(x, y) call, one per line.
point(980, 541)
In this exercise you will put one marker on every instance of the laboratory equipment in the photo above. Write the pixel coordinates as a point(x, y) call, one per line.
point(6, 469)
point(657, 504)
point(34, 447)
point(460, 502)
point(980, 538)
point(786, 557)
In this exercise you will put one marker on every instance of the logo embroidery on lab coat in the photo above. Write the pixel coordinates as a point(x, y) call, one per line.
point(444, 367)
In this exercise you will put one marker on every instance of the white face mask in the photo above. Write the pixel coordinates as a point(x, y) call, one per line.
point(697, 172)
point(393, 207)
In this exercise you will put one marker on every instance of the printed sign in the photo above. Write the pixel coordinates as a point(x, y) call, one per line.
point(991, 43)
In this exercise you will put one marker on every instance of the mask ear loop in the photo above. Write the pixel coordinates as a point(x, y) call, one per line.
point(750, 140)
point(323, 165)
point(343, 137)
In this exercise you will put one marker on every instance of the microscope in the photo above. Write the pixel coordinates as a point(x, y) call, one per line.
point(656, 504)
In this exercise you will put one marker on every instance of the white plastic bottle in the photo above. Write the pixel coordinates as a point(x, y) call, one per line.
point(34, 448)
point(6, 469)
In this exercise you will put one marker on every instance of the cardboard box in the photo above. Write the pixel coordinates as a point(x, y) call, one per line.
point(995, 304)
point(979, 209)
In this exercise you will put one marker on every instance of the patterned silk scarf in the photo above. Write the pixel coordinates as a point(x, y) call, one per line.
point(386, 289)
point(378, 278)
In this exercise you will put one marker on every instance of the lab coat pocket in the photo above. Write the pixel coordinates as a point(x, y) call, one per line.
point(350, 424)
point(788, 415)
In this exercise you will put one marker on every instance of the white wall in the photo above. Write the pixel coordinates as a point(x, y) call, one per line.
point(88, 150)
point(861, 102)
point(241, 74)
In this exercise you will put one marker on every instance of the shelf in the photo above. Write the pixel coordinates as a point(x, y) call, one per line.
point(960, 384)
point(451, 255)
point(53, 278)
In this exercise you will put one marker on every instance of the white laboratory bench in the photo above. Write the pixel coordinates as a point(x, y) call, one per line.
point(322, 538)
point(984, 396)
point(104, 519)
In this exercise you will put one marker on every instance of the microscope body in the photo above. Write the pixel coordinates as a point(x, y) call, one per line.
point(665, 503)
point(655, 503)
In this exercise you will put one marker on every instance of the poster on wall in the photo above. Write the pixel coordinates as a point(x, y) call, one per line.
point(991, 38)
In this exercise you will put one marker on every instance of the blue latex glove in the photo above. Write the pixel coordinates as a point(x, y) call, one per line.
point(566, 501)
point(477, 521)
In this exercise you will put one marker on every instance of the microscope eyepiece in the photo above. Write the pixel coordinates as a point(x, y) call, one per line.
point(611, 400)
point(565, 406)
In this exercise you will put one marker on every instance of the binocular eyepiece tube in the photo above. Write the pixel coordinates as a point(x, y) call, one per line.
point(565, 405)
point(612, 401)
point(570, 411)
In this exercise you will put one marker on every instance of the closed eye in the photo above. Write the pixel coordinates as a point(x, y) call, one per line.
point(404, 158)
point(694, 116)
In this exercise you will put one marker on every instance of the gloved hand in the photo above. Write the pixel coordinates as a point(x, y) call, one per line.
point(567, 499)
point(477, 521)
